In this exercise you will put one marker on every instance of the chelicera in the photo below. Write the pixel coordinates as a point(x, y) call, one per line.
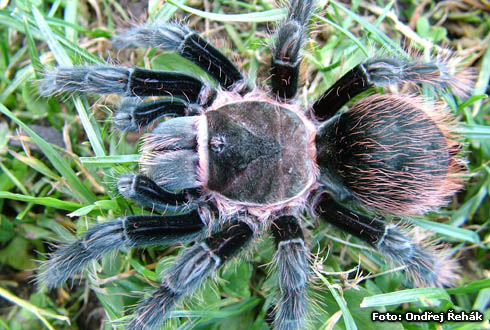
point(236, 162)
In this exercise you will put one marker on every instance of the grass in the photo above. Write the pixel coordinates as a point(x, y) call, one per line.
point(52, 191)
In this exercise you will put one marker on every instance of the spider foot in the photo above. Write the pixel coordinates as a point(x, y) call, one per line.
point(427, 263)
point(67, 260)
point(153, 311)
point(85, 79)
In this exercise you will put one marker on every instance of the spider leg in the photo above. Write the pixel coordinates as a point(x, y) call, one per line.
point(188, 272)
point(426, 263)
point(126, 81)
point(188, 44)
point(288, 40)
point(113, 235)
point(293, 273)
point(145, 191)
point(385, 71)
point(134, 114)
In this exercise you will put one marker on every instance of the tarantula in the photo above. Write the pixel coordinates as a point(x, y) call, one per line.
point(236, 162)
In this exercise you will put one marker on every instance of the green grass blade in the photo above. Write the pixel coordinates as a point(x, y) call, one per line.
point(54, 8)
point(33, 54)
point(482, 300)
point(37, 165)
point(90, 126)
point(24, 75)
point(7, 19)
point(471, 101)
point(377, 34)
point(12, 20)
point(235, 309)
point(468, 209)
point(474, 131)
point(167, 11)
point(344, 31)
point(349, 322)
point(385, 12)
point(99, 205)
point(263, 16)
point(14, 179)
point(71, 17)
point(109, 161)
point(53, 21)
point(4, 137)
point(448, 230)
point(471, 287)
point(63, 59)
point(58, 52)
point(143, 271)
point(482, 82)
point(405, 296)
point(39, 312)
point(46, 201)
point(61, 165)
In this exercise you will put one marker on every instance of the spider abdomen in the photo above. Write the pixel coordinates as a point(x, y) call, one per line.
point(391, 154)
point(257, 152)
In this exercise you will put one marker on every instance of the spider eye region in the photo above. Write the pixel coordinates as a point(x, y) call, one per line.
point(256, 152)
point(217, 144)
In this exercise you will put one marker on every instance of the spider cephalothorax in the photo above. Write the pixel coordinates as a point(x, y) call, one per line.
point(237, 162)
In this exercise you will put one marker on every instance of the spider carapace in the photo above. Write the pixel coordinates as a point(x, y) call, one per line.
point(251, 145)
point(237, 162)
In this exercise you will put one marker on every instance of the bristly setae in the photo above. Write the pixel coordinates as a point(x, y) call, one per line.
point(237, 162)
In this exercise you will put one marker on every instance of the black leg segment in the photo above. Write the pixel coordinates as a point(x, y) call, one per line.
point(188, 44)
point(427, 263)
point(289, 39)
point(112, 235)
point(351, 84)
point(369, 229)
point(165, 83)
point(146, 230)
point(128, 82)
point(145, 191)
point(293, 267)
point(188, 272)
point(386, 71)
point(134, 114)
point(286, 228)
point(228, 242)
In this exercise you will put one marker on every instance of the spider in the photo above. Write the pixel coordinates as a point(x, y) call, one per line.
point(235, 162)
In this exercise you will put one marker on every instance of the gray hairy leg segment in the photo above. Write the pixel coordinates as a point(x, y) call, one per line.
point(427, 263)
point(112, 235)
point(188, 44)
point(288, 41)
point(189, 271)
point(293, 267)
